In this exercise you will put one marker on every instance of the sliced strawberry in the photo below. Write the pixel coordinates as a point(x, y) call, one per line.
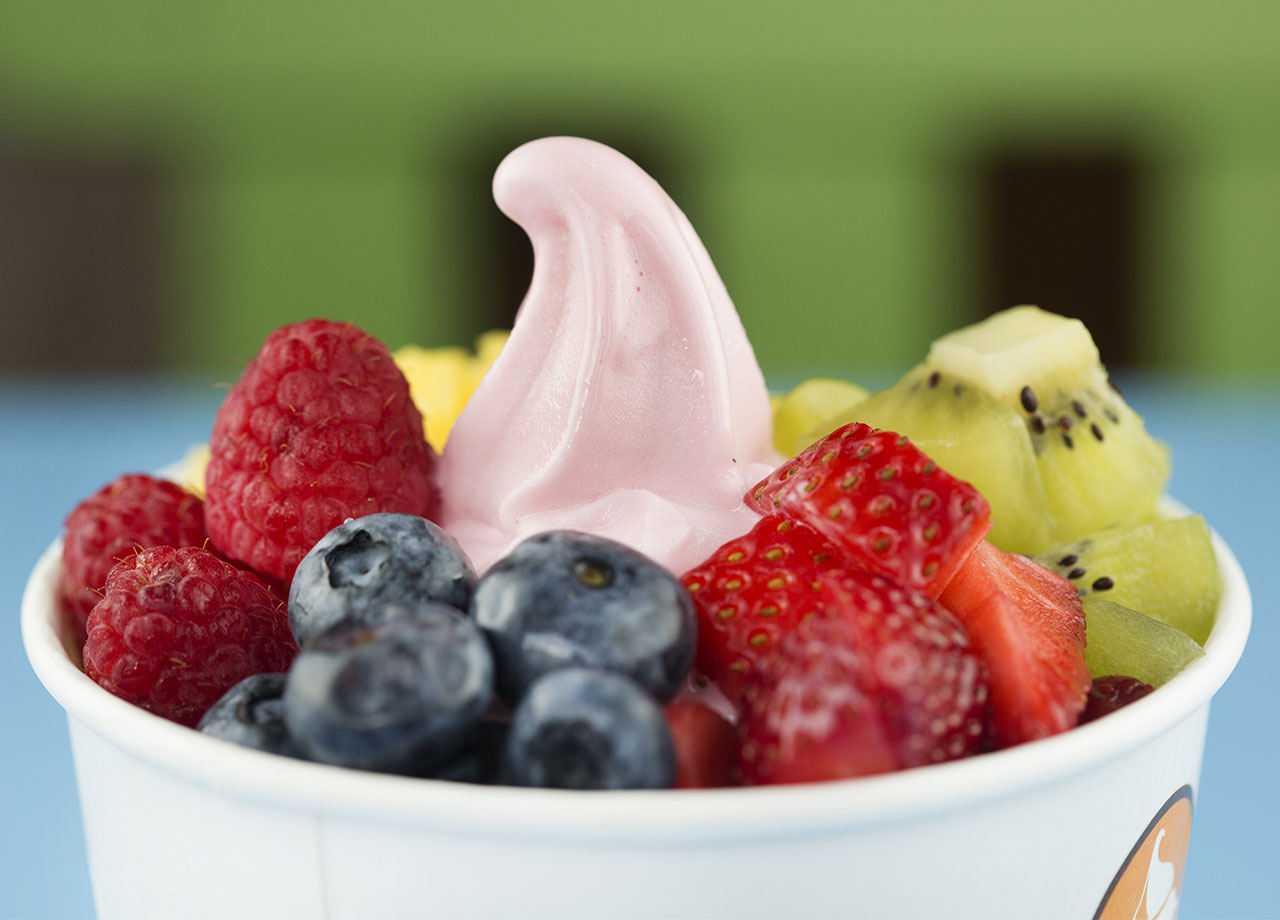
point(887, 505)
point(705, 745)
point(883, 679)
point(751, 592)
point(1027, 624)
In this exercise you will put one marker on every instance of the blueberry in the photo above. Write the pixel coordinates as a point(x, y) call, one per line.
point(579, 728)
point(480, 761)
point(251, 713)
point(564, 599)
point(400, 696)
point(372, 560)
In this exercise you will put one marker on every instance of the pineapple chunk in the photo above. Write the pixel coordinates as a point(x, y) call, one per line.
point(799, 412)
point(441, 380)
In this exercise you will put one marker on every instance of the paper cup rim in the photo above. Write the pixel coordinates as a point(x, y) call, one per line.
point(636, 817)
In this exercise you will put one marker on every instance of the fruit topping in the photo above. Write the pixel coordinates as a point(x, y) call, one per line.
point(752, 592)
point(1097, 464)
point(252, 714)
point(1021, 406)
point(563, 598)
point(1027, 624)
point(1010, 353)
point(319, 428)
point(883, 679)
point(974, 437)
point(579, 728)
point(399, 696)
point(1166, 569)
point(372, 561)
point(705, 745)
point(480, 760)
point(1124, 641)
point(797, 413)
point(132, 512)
point(1107, 694)
point(178, 627)
point(878, 498)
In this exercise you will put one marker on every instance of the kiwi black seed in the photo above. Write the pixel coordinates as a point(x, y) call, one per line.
point(1029, 401)
point(1165, 569)
point(1068, 566)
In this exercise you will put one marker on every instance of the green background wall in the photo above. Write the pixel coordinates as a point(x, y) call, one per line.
point(333, 159)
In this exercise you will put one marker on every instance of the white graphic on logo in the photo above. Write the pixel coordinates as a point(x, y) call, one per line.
point(1159, 888)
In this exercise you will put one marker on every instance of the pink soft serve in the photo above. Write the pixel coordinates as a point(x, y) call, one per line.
point(628, 401)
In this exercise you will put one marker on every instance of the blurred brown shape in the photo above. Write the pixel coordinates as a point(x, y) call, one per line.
point(82, 261)
point(1063, 229)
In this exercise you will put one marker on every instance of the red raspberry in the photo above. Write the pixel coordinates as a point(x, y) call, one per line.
point(177, 628)
point(130, 513)
point(319, 428)
point(1107, 694)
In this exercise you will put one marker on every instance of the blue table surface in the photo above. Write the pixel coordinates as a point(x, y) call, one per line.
point(62, 440)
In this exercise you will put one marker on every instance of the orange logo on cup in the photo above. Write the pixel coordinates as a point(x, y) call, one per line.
point(1148, 884)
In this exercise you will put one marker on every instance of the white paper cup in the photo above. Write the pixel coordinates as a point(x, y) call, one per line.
point(1091, 823)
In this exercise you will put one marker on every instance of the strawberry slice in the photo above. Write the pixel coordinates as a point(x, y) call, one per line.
point(880, 499)
point(1027, 624)
point(752, 592)
point(882, 679)
point(705, 745)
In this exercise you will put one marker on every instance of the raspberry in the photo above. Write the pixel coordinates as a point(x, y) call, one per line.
point(319, 428)
point(130, 513)
point(1107, 694)
point(178, 627)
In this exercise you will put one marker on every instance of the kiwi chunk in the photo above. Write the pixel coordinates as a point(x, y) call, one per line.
point(1098, 465)
point(972, 436)
point(1124, 641)
point(1165, 569)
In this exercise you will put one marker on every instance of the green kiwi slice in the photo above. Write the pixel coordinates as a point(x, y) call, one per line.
point(1098, 466)
point(1123, 641)
point(1165, 569)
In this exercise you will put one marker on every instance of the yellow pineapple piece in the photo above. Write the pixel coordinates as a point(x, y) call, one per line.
point(191, 471)
point(798, 413)
point(441, 380)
